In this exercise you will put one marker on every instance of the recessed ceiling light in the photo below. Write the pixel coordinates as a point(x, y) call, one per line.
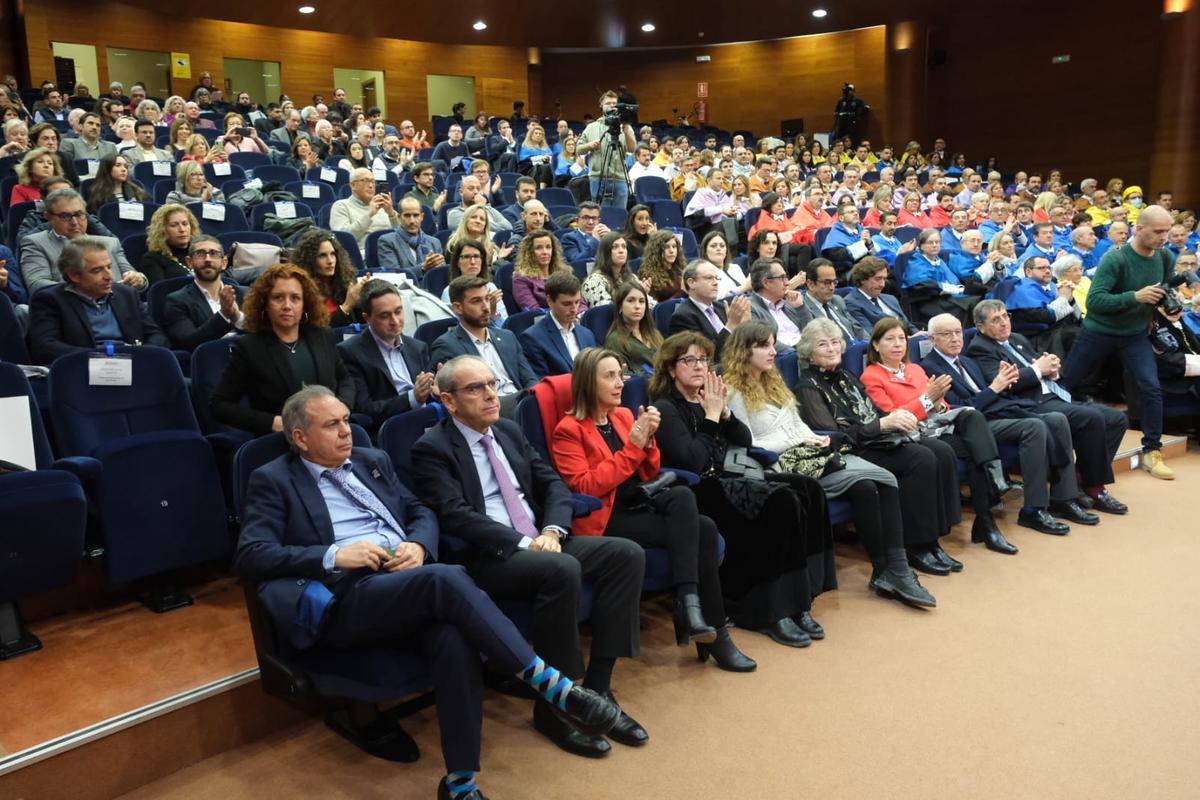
point(480, 25)
point(648, 27)
point(819, 13)
point(307, 9)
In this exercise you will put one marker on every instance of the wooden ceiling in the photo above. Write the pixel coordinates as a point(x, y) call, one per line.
point(565, 25)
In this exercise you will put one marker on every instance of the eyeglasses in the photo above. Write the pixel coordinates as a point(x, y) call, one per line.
point(476, 389)
point(950, 334)
point(208, 254)
point(775, 278)
point(694, 361)
point(826, 282)
point(1001, 317)
point(67, 216)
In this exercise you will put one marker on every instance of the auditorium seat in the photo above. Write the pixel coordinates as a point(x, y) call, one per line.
point(556, 196)
point(110, 214)
point(235, 217)
point(258, 214)
point(219, 174)
point(662, 315)
point(332, 176)
point(278, 173)
point(519, 322)
point(598, 320)
point(158, 493)
point(649, 188)
point(317, 195)
point(428, 332)
point(436, 280)
point(250, 161)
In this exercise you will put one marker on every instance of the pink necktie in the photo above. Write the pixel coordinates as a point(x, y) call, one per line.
point(512, 501)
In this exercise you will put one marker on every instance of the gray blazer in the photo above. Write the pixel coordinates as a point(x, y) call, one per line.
point(76, 149)
point(800, 316)
point(39, 259)
point(395, 252)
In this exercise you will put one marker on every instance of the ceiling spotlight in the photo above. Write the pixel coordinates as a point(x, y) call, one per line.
point(307, 9)
point(480, 25)
point(648, 27)
point(819, 13)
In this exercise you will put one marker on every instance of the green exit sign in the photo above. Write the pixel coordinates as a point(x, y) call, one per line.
point(1063, 59)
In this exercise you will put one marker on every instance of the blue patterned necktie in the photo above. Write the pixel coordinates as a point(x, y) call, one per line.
point(364, 499)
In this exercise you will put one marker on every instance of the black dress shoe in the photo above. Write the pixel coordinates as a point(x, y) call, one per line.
point(903, 586)
point(547, 720)
point(1041, 520)
point(689, 621)
point(787, 633)
point(945, 559)
point(1069, 509)
point(444, 793)
point(1109, 504)
point(928, 563)
point(628, 731)
point(993, 540)
point(809, 625)
point(587, 712)
point(725, 653)
point(1085, 502)
point(383, 738)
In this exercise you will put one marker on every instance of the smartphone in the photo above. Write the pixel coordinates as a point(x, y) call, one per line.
point(244, 132)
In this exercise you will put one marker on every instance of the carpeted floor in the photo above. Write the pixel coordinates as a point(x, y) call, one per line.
point(1068, 671)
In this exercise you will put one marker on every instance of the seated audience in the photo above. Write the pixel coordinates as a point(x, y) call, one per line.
point(1041, 243)
point(192, 186)
point(67, 220)
point(114, 183)
point(469, 258)
point(847, 241)
point(424, 191)
point(761, 400)
point(172, 230)
point(287, 345)
point(239, 138)
point(535, 157)
point(178, 136)
point(553, 342)
point(87, 309)
point(776, 302)
point(1045, 311)
point(701, 313)
point(199, 150)
point(778, 541)
point(391, 371)
point(539, 255)
point(715, 250)
point(611, 271)
point(823, 300)
point(38, 165)
point(662, 267)
point(633, 335)
point(580, 243)
point(321, 255)
point(365, 210)
point(473, 335)
point(715, 205)
point(209, 307)
point(637, 230)
point(47, 137)
point(476, 225)
point(931, 286)
point(978, 273)
point(868, 303)
point(453, 152)
point(1176, 354)
point(145, 132)
point(88, 145)
point(409, 247)
point(377, 559)
point(304, 155)
point(474, 194)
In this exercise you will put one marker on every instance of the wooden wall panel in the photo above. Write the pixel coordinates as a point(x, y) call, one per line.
point(754, 85)
point(307, 58)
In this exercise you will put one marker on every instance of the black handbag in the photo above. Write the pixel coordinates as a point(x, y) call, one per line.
point(644, 494)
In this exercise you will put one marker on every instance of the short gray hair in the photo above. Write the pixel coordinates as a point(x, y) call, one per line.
point(295, 409)
point(1064, 263)
point(692, 270)
point(71, 258)
point(448, 371)
point(938, 320)
point(58, 195)
point(985, 309)
point(820, 326)
point(1077, 234)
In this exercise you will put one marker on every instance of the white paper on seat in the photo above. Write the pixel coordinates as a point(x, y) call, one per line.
point(114, 370)
point(131, 211)
point(16, 434)
point(161, 167)
point(380, 174)
point(253, 183)
point(285, 209)
point(328, 175)
point(213, 211)
point(311, 190)
point(222, 168)
point(93, 167)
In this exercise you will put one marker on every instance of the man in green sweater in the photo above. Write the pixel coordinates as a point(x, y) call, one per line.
point(1124, 291)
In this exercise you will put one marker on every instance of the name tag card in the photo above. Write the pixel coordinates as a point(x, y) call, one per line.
point(380, 174)
point(16, 434)
point(213, 211)
point(253, 183)
point(310, 190)
point(93, 167)
point(285, 209)
point(222, 168)
point(328, 175)
point(131, 211)
point(161, 167)
point(114, 370)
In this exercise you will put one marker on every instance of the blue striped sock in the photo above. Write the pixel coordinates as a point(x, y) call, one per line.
point(547, 681)
point(460, 782)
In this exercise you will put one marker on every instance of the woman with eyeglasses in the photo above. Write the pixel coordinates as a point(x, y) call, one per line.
point(778, 540)
point(601, 450)
point(469, 258)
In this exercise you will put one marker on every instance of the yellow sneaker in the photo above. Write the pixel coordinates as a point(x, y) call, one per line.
point(1153, 463)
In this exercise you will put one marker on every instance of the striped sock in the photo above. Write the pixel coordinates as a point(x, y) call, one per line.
point(547, 681)
point(460, 782)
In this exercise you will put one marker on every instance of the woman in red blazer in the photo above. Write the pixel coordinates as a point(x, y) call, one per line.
point(893, 382)
point(600, 450)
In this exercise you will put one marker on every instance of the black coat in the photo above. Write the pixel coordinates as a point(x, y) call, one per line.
point(190, 321)
point(373, 388)
point(58, 322)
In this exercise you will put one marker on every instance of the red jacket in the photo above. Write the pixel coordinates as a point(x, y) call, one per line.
point(890, 392)
point(588, 466)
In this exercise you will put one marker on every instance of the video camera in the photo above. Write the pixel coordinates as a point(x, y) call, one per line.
point(1170, 304)
point(618, 115)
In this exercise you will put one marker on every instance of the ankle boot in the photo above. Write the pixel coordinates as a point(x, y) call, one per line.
point(725, 653)
point(689, 621)
point(999, 485)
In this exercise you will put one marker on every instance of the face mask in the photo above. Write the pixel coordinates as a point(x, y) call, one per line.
point(1136, 202)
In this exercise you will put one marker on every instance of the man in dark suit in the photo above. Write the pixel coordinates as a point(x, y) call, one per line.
point(491, 489)
point(776, 303)
point(552, 342)
point(390, 370)
point(502, 148)
point(1043, 440)
point(701, 312)
point(823, 300)
point(526, 190)
point(271, 120)
point(580, 243)
point(345, 555)
point(1096, 430)
point(208, 308)
point(473, 336)
point(868, 304)
point(87, 308)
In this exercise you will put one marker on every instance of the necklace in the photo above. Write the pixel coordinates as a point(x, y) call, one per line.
point(290, 347)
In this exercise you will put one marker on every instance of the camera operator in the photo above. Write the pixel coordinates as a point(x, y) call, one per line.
point(1126, 287)
point(608, 140)
point(848, 113)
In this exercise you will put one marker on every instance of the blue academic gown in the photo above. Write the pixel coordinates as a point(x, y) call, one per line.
point(841, 236)
point(964, 264)
point(886, 247)
point(1090, 260)
point(1032, 251)
point(1028, 293)
point(1062, 237)
point(921, 270)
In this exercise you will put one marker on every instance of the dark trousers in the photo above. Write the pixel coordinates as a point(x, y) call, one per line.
point(437, 609)
point(1096, 433)
point(927, 473)
point(875, 511)
point(552, 581)
point(973, 442)
point(1092, 349)
point(1039, 442)
point(689, 537)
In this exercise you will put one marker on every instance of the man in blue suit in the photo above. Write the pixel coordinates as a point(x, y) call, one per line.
point(473, 336)
point(581, 243)
point(344, 556)
point(552, 342)
point(867, 303)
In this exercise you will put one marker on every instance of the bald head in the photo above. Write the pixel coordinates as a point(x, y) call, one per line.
point(1150, 232)
point(946, 332)
point(1154, 216)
